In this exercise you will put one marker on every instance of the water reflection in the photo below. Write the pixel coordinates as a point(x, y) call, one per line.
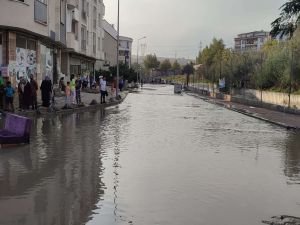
point(57, 179)
point(155, 159)
point(292, 159)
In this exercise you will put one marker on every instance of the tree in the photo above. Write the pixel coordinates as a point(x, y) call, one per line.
point(124, 70)
point(165, 65)
point(287, 22)
point(176, 66)
point(188, 69)
point(151, 62)
point(211, 58)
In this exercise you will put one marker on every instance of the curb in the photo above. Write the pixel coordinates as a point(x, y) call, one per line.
point(73, 110)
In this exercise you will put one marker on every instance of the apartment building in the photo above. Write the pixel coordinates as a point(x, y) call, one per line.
point(110, 44)
point(252, 41)
point(125, 50)
point(84, 37)
point(32, 36)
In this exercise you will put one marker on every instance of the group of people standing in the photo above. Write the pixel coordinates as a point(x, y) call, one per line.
point(27, 90)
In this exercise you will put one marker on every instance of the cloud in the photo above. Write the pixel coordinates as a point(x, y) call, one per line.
point(179, 26)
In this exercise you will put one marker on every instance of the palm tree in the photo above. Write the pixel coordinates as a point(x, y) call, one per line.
point(288, 21)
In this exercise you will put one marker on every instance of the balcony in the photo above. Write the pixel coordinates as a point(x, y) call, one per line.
point(40, 12)
point(75, 14)
point(72, 41)
point(71, 4)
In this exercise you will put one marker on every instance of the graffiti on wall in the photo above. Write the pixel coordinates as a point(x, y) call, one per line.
point(24, 65)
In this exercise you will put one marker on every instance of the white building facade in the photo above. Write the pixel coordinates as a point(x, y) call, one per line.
point(32, 37)
point(125, 50)
point(252, 41)
point(84, 37)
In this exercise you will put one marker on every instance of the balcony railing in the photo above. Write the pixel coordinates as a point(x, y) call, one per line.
point(40, 12)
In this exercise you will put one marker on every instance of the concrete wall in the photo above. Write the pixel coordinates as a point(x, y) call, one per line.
point(274, 98)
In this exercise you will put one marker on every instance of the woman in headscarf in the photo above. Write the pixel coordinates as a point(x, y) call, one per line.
point(46, 88)
point(27, 94)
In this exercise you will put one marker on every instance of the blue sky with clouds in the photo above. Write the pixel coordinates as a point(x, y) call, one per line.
point(177, 26)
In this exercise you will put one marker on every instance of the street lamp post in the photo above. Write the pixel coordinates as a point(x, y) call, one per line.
point(118, 43)
point(137, 58)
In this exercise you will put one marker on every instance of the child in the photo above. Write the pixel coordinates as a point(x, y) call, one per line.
point(68, 95)
point(9, 96)
point(77, 87)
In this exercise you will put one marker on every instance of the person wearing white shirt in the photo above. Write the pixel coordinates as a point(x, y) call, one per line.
point(103, 91)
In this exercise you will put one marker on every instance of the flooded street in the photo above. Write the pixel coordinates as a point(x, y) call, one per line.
point(158, 158)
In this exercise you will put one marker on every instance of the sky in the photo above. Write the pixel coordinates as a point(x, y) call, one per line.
point(177, 27)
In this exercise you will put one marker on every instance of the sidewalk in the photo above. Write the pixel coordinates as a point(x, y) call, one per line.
point(289, 121)
point(90, 101)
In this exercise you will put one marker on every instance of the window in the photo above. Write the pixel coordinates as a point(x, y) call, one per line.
point(99, 43)
point(75, 69)
point(95, 18)
point(83, 38)
point(99, 20)
point(87, 38)
point(84, 14)
point(31, 45)
point(40, 11)
point(62, 12)
point(21, 42)
point(94, 43)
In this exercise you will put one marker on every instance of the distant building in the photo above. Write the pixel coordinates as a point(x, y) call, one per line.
point(84, 37)
point(125, 50)
point(109, 44)
point(252, 41)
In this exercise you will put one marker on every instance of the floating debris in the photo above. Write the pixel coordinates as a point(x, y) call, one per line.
point(283, 220)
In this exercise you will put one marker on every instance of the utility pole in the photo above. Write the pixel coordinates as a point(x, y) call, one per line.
point(118, 43)
point(137, 58)
point(261, 85)
point(291, 75)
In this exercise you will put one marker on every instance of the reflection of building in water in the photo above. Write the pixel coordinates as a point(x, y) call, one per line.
point(53, 181)
point(292, 158)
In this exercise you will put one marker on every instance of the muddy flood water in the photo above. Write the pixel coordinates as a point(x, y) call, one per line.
point(156, 159)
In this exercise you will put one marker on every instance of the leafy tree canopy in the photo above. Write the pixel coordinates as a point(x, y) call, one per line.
point(165, 65)
point(287, 22)
point(151, 62)
point(176, 65)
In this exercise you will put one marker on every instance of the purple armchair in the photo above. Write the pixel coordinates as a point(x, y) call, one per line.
point(16, 130)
